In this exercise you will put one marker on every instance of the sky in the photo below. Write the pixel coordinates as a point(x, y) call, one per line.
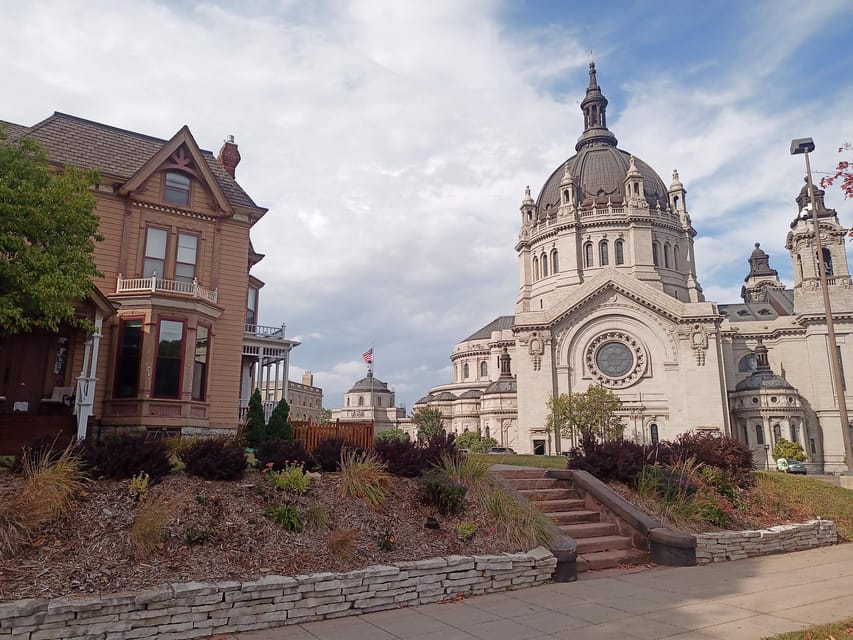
point(391, 140)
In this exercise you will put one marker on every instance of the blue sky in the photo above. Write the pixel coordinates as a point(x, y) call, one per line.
point(392, 140)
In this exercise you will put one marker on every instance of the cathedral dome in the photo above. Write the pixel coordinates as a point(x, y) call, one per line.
point(598, 169)
point(369, 384)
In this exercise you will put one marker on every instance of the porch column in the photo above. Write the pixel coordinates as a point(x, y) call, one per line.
point(87, 380)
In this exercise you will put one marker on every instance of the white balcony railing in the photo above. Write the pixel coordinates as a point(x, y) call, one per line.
point(155, 284)
point(262, 331)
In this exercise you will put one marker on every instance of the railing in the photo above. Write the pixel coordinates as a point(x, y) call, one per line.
point(831, 281)
point(155, 284)
point(261, 331)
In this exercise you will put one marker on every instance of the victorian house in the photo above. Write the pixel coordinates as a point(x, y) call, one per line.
point(177, 346)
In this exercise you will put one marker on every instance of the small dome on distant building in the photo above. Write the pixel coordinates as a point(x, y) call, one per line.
point(369, 384)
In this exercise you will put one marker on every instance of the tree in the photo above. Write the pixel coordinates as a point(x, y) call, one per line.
point(392, 434)
point(278, 426)
point(473, 441)
point(256, 424)
point(590, 415)
point(429, 424)
point(48, 231)
point(843, 171)
point(789, 450)
point(325, 416)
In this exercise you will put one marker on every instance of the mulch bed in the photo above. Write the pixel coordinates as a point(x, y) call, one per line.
point(90, 551)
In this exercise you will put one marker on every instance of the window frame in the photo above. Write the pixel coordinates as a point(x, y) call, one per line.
point(619, 252)
point(555, 263)
point(588, 255)
point(604, 253)
point(154, 391)
point(205, 374)
point(254, 309)
point(118, 355)
point(191, 234)
point(167, 188)
point(146, 257)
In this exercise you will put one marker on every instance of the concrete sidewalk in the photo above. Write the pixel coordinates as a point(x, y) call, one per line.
point(746, 599)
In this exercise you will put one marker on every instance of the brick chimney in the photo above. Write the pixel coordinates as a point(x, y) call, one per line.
point(229, 156)
point(308, 379)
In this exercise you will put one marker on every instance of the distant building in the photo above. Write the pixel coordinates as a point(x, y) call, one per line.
point(305, 400)
point(370, 399)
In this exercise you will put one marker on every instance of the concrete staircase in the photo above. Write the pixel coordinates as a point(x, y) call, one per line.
point(599, 544)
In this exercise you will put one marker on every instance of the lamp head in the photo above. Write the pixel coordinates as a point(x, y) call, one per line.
point(802, 145)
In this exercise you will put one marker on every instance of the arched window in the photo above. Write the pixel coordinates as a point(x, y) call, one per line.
point(675, 257)
point(347, 400)
point(484, 369)
point(544, 262)
point(655, 252)
point(555, 265)
point(636, 189)
point(800, 265)
point(587, 254)
point(759, 434)
point(465, 371)
point(795, 433)
point(827, 261)
point(566, 196)
point(777, 433)
point(653, 432)
point(360, 401)
point(666, 256)
point(675, 203)
point(619, 249)
point(604, 258)
point(535, 269)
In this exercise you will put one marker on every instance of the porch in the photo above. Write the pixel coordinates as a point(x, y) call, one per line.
point(266, 366)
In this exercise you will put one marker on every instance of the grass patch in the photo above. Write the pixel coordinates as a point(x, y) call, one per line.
point(785, 496)
point(363, 477)
point(521, 460)
point(837, 630)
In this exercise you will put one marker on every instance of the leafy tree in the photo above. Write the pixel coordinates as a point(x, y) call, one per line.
point(256, 424)
point(279, 423)
point(48, 231)
point(473, 441)
point(843, 171)
point(325, 416)
point(591, 415)
point(429, 424)
point(392, 434)
point(789, 450)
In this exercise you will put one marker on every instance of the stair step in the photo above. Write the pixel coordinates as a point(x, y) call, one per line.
point(551, 506)
point(520, 473)
point(608, 559)
point(588, 529)
point(535, 483)
point(603, 543)
point(538, 495)
point(575, 516)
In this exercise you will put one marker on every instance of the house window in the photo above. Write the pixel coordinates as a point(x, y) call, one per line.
point(619, 248)
point(484, 369)
point(170, 350)
point(653, 431)
point(587, 254)
point(186, 258)
point(603, 253)
point(555, 264)
point(177, 188)
point(202, 350)
point(128, 358)
point(759, 434)
point(155, 252)
point(252, 306)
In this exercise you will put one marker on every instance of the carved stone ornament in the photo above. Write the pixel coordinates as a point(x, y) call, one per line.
point(616, 359)
point(699, 343)
point(536, 348)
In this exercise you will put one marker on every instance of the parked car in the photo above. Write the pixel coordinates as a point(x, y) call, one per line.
point(796, 467)
point(501, 450)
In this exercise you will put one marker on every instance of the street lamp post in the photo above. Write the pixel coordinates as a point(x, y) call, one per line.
point(804, 146)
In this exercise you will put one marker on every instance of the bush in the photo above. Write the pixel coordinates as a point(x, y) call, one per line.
point(474, 442)
point(401, 457)
point(327, 453)
point(275, 454)
point(392, 434)
point(214, 459)
point(443, 494)
point(256, 424)
point(363, 477)
point(54, 447)
point(789, 450)
point(439, 446)
point(287, 517)
point(620, 460)
point(279, 424)
point(729, 455)
point(291, 479)
point(124, 456)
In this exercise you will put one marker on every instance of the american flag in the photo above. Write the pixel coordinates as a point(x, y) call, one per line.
point(367, 356)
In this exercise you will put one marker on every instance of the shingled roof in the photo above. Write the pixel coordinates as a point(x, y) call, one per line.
point(12, 130)
point(112, 151)
point(498, 324)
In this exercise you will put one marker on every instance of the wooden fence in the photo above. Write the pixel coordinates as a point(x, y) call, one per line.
point(359, 434)
point(18, 429)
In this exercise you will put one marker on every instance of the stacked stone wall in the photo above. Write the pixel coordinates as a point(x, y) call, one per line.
point(722, 546)
point(195, 609)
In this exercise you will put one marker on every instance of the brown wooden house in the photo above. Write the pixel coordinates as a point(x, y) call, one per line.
point(177, 343)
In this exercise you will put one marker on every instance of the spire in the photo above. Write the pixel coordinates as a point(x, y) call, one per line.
point(676, 182)
point(594, 107)
point(504, 360)
point(528, 200)
point(759, 264)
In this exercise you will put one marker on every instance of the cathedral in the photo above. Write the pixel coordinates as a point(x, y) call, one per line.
point(609, 296)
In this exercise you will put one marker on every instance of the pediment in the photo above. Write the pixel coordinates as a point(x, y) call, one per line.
point(181, 153)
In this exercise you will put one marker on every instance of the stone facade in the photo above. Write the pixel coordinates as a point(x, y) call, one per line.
point(609, 296)
point(192, 610)
point(371, 399)
point(722, 546)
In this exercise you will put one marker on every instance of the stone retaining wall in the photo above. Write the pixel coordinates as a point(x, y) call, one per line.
point(721, 546)
point(195, 609)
